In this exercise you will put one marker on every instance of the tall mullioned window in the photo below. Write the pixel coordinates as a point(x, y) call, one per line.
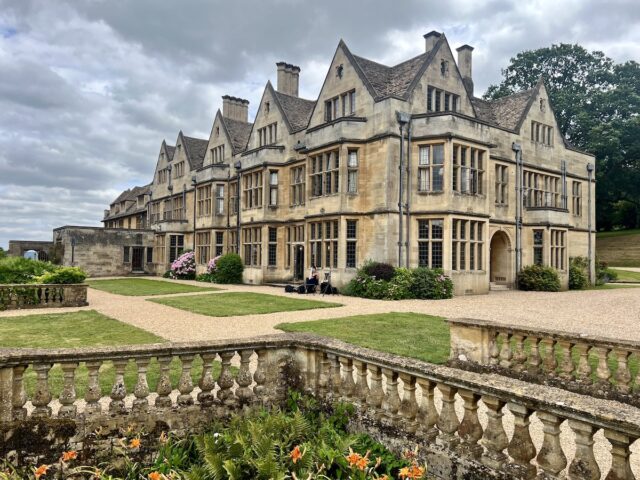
point(252, 186)
point(352, 243)
point(176, 246)
point(577, 198)
point(298, 185)
point(217, 154)
point(323, 239)
point(203, 247)
point(558, 252)
point(431, 168)
point(219, 243)
point(502, 185)
point(204, 201)
point(342, 105)
point(219, 206)
point(468, 170)
point(325, 173)
point(272, 254)
point(442, 101)
point(430, 237)
point(273, 188)
point(467, 245)
point(542, 190)
point(538, 247)
point(252, 242)
point(268, 135)
point(352, 171)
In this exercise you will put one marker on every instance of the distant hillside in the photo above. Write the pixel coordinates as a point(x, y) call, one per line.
point(620, 248)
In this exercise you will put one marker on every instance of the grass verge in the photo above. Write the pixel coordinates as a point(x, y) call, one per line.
point(416, 335)
point(142, 287)
point(240, 303)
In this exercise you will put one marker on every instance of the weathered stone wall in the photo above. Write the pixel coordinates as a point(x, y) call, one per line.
point(100, 251)
point(18, 247)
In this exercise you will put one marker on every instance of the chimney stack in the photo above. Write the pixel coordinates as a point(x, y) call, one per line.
point(288, 78)
point(464, 65)
point(430, 40)
point(235, 108)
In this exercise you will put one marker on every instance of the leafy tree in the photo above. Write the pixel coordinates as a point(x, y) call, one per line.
point(596, 103)
point(2, 253)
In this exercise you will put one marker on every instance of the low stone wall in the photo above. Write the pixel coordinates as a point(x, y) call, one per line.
point(587, 364)
point(42, 295)
point(395, 398)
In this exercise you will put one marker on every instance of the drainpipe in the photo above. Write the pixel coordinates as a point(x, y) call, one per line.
point(194, 183)
point(238, 167)
point(590, 169)
point(408, 204)
point(403, 119)
point(516, 147)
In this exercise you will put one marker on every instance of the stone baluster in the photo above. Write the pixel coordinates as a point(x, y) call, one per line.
point(494, 351)
point(637, 380)
point(519, 355)
point(119, 389)
point(470, 430)
point(335, 379)
point(348, 384)
point(67, 397)
point(185, 383)
point(566, 364)
point(225, 380)
point(408, 405)
point(141, 390)
point(583, 370)
point(506, 353)
point(93, 393)
point(584, 465)
point(245, 379)
point(620, 465)
point(260, 376)
point(495, 438)
point(602, 372)
point(164, 387)
point(521, 447)
point(551, 459)
point(18, 394)
point(324, 374)
point(391, 401)
point(42, 396)
point(207, 384)
point(550, 363)
point(623, 375)
point(361, 391)
point(427, 417)
point(376, 393)
point(533, 366)
point(448, 420)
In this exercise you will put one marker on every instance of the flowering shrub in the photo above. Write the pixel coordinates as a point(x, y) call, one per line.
point(211, 266)
point(422, 283)
point(184, 267)
point(229, 269)
point(539, 278)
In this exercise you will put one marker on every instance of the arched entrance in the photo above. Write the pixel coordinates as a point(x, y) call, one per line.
point(500, 252)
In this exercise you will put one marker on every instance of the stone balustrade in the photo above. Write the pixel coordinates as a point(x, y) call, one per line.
point(457, 416)
point(602, 364)
point(41, 295)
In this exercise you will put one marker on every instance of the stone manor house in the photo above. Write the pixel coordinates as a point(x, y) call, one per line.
point(397, 164)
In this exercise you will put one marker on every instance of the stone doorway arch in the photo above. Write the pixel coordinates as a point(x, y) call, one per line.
point(501, 263)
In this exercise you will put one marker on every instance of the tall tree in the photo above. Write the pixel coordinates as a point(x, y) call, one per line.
point(597, 105)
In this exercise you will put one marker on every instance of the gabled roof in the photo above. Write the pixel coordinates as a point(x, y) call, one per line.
point(239, 133)
point(296, 111)
point(131, 194)
point(398, 81)
point(506, 112)
point(195, 149)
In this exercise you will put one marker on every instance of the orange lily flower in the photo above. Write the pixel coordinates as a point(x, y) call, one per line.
point(41, 470)
point(70, 455)
point(296, 454)
point(154, 476)
point(135, 443)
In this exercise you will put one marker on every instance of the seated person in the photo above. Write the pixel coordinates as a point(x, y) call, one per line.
point(313, 278)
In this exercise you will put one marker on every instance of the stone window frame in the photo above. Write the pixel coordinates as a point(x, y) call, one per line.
point(324, 173)
point(219, 244)
point(501, 184)
point(252, 246)
point(178, 170)
point(297, 180)
point(272, 252)
point(203, 201)
point(273, 188)
point(468, 169)
point(219, 199)
point(558, 249)
point(542, 190)
point(538, 246)
point(342, 105)
point(576, 198)
point(323, 243)
point(428, 256)
point(427, 167)
point(252, 190)
point(268, 135)
point(351, 251)
point(437, 100)
point(126, 254)
point(467, 245)
point(177, 249)
point(203, 247)
point(353, 163)
point(541, 133)
point(217, 154)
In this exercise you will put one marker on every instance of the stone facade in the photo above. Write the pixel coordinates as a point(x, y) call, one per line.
point(44, 248)
point(105, 251)
point(320, 180)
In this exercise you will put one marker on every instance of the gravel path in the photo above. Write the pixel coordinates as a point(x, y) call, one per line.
point(612, 313)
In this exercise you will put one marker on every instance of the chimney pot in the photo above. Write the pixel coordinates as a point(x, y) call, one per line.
point(430, 40)
point(235, 108)
point(288, 78)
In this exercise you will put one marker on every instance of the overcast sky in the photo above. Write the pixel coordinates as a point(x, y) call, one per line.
point(90, 88)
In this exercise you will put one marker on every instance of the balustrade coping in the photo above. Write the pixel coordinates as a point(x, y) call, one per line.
point(542, 333)
point(604, 414)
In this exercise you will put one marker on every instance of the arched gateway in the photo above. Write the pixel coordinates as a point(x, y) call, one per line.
point(501, 270)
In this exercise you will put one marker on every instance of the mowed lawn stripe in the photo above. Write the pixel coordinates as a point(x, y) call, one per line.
point(240, 303)
point(415, 335)
point(143, 287)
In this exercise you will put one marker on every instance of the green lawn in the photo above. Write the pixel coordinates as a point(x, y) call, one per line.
point(627, 276)
point(83, 329)
point(617, 233)
point(143, 287)
point(240, 303)
point(408, 334)
point(609, 286)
